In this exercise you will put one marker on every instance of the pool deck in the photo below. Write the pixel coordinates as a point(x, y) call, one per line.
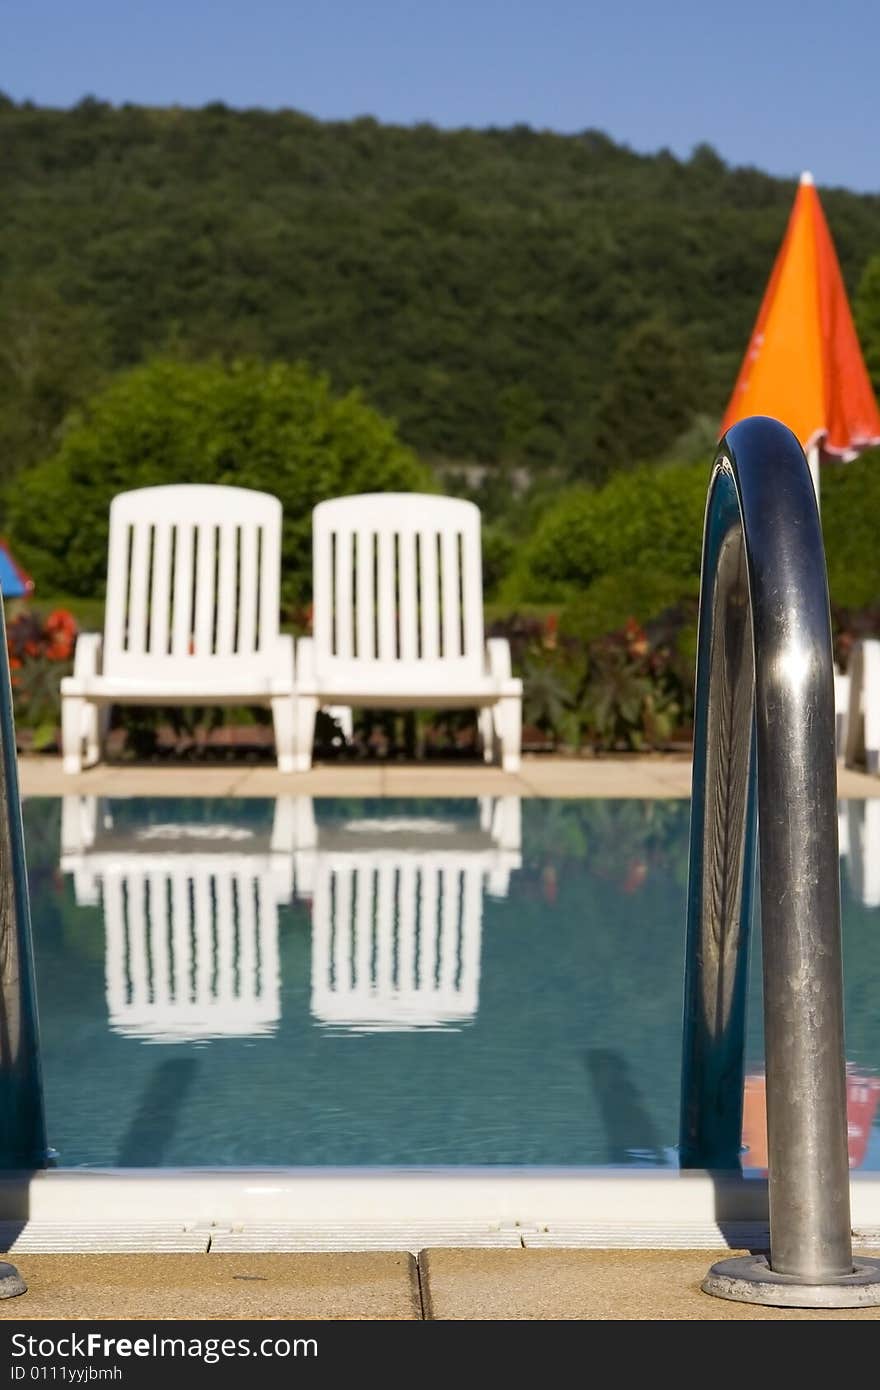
point(439, 1283)
point(446, 1285)
point(652, 776)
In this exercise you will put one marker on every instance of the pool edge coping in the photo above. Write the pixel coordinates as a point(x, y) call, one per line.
point(333, 1197)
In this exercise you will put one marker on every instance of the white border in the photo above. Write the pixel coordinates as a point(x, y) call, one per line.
point(327, 1196)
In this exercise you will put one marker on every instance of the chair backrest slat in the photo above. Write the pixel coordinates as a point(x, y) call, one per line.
point(450, 590)
point(408, 597)
point(343, 591)
point(203, 635)
point(161, 595)
point(398, 579)
point(193, 582)
point(472, 598)
point(138, 579)
point(248, 590)
point(386, 623)
point(429, 607)
point(268, 592)
point(364, 596)
point(227, 589)
point(181, 623)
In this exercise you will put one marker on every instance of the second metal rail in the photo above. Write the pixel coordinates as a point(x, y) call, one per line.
point(765, 790)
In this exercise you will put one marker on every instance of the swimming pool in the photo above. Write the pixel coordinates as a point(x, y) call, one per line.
point(388, 982)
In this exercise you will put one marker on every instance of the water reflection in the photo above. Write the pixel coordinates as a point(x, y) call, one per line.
point(190, 918)
point(468, 982)
point(858, 829)
point(862, 1100)
point(191, 914)
point(397, 910)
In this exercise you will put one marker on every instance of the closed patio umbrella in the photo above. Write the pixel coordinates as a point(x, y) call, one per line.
point(14, 583)
point(803, 363)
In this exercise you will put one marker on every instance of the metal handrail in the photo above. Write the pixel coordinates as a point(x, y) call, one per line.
point(765, 787)
point(22, 1123)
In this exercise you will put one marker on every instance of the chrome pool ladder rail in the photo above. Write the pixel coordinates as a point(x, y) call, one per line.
point(765, 796)
point(22, 1122)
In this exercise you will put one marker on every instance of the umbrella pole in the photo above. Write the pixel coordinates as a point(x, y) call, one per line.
point(813, 461)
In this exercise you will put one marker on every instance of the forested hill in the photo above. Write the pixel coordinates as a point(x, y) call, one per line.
point(510, 296)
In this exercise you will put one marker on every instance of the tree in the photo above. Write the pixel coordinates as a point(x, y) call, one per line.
point(52, 354)
point(866, 310)
point(475, 284)
point(277, 428)
point(653, 392)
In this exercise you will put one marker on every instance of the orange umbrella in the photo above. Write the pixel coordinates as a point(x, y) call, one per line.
point(803, 363)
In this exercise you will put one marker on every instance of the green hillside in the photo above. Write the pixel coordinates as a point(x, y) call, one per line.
point(513, 298)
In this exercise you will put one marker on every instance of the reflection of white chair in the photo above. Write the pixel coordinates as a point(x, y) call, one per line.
point(859, 835)
point(397, 907)
point(191, 919)
point(863, 720)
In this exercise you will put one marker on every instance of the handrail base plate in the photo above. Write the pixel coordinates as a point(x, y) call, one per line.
point(749, 1279)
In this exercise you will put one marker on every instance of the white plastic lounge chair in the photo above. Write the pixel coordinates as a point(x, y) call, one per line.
point(398, 618)
point(190, 920)
point(863, 723)
point(397, 910)
point(860, 846)
point(192, 614)
point(841, 710)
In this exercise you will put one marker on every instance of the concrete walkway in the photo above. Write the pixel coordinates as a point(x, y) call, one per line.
point(460, 1285)
point(624, 776)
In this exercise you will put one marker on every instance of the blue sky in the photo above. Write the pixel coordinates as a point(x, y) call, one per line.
point(782, 84)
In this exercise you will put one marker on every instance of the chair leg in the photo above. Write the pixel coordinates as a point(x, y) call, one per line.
point(508, 727)
point(486, 730)
point(305, 714)
point(284, 722)
point(73, 718)
point(96, 722)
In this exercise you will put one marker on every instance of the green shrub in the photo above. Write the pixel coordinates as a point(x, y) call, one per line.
point(274, 427)
point(499, 549)
point(632, 547)
point(650, 519)
point(850, 498)
point(628, 594)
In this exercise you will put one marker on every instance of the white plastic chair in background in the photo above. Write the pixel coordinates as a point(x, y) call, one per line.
point(863, 723)
point(859, 840)
point(841, 710)
point(397, 910)
point(190, 919)
point(398, 618)
point(192, 614)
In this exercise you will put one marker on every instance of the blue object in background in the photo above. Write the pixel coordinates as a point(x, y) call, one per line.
point(14, 583)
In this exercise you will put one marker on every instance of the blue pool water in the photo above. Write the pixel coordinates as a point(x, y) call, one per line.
point(388, 982)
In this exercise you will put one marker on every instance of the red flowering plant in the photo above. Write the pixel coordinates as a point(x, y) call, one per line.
point(588, 684)
point(40, 651)
point(627, 701)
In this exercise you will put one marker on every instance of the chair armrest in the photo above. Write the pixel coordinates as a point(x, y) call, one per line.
point(498, 658)
point(305, 661)
point(87, 655)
